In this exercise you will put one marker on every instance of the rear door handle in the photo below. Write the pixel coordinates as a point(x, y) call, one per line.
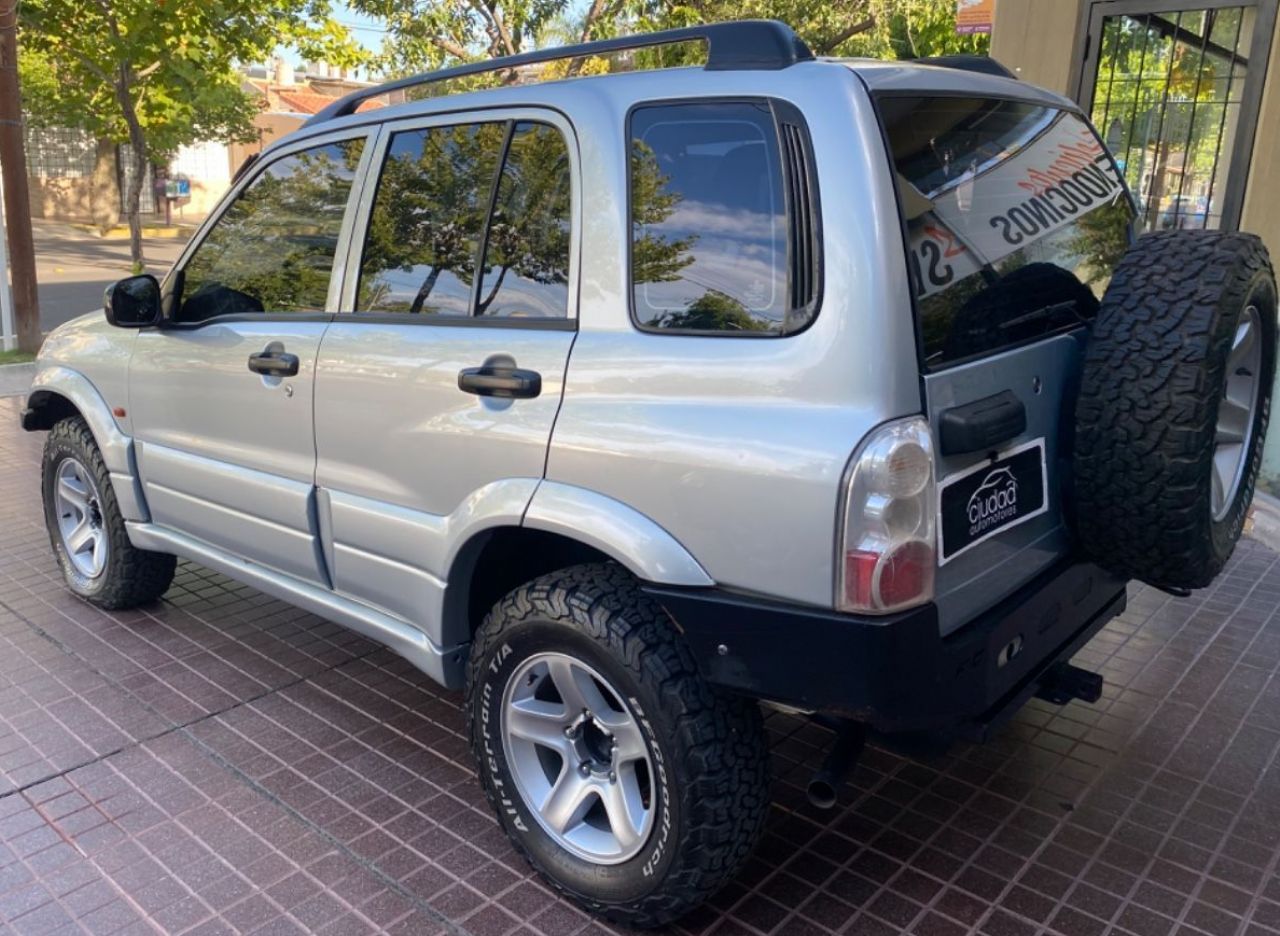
point(500, 380)
point(274, 364)
point(983, 424)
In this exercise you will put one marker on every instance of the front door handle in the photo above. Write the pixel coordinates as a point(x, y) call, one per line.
point(274, 364)
point(500, 380)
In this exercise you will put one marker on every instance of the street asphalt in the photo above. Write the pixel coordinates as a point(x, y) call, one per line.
point(74, 267)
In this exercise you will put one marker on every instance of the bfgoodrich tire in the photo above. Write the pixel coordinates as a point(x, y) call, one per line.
point(1174, 404)
point(622, 777)
point(87, 529)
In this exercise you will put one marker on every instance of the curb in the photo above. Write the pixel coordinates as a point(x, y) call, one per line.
point(1264, 520)
point(172, 232)
point(16, 378)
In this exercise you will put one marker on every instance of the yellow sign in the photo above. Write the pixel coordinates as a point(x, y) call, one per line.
point(974, 16)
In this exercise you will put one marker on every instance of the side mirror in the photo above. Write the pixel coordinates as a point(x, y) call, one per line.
point(134, 302)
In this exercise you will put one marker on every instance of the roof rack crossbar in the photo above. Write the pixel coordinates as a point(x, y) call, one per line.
point(745, 45)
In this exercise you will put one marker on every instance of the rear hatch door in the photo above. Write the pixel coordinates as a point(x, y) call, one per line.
point(1015, 217)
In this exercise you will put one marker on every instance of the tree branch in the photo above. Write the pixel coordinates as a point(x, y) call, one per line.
point(449, 47)
point(826, 47)
point(593, 14)
point(502, 30)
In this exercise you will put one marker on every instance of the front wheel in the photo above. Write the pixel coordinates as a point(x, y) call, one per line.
point(87, 529)
point(625, 780)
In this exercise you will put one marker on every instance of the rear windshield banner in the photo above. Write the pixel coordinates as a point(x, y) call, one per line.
point(1025, 194)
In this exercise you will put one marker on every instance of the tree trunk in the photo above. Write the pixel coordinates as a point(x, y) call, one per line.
point(493, 293)
point(424, 291)
point(138, 147)
point(17, 199)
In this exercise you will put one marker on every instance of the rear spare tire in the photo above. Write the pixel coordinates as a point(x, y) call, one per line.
point(1173, 405)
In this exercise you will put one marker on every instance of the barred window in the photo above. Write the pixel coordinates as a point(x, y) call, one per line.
point(59, 153)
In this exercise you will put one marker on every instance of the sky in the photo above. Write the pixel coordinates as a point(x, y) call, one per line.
point(367, 30)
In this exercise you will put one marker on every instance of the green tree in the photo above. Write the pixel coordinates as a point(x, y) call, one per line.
point(890, 29)
point(159, 74)
point(428, 34)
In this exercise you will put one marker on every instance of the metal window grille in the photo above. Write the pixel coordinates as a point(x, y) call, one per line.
point(147, 201)
point(1169, 97)
point(59, 153)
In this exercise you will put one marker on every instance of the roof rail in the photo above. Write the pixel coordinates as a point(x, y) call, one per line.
point(745, 45)
point(973, 63)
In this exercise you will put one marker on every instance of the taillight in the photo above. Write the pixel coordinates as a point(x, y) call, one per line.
point(887, 557)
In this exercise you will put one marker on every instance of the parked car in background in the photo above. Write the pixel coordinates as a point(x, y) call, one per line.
point(1183, 212)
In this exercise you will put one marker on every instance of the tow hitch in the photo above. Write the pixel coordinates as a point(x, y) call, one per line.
point(1063, 682)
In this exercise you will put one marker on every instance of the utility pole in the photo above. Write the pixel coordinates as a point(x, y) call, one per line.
point(13, 167)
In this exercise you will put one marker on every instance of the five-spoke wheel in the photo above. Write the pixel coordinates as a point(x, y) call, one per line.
point(79, 512)
point(578, 757)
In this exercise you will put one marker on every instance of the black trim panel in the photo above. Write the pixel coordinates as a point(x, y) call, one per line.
point(897, 673)
point(457, 321)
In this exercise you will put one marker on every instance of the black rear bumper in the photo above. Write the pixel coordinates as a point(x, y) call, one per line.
point(897, 673)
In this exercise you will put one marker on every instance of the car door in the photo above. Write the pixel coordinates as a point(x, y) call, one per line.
point(439, 388)
point(221, 395)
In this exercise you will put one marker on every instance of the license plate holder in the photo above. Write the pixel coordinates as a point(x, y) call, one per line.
point(989, 498)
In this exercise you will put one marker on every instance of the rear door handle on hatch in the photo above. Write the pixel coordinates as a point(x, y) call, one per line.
point(274, 364)
point(983, 424)
point(500, 380)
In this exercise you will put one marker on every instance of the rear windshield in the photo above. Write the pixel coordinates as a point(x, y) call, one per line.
point(1016, 217)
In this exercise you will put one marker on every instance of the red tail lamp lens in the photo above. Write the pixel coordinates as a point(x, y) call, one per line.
point(859, 575)
point(880, 582)
point(906, 574)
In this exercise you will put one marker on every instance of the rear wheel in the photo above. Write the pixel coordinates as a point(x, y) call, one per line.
point(87, 529)
point(1174, 405)
point(624, 779)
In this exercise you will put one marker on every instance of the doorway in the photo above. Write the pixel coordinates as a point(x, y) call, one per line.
point(1175, 89)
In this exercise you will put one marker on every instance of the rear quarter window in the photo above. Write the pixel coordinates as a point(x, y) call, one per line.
point(709, 220)
point(1015, 214)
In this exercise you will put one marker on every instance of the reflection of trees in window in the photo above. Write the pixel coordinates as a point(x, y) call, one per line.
point(655, 257)
point(274, 245)
point(708, 218)
point(431, 206)
point(528, 236)
point(1100, 239)
point(712, 311)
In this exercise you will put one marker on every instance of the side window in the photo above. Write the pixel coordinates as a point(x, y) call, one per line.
point(526, 261)
point(272, 250)
point(428, 216)
point(709, 230)
point(432, 217)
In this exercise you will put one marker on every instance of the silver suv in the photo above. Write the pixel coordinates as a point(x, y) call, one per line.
point(626, 403)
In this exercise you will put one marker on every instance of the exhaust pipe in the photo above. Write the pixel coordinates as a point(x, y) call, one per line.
point(824, 787)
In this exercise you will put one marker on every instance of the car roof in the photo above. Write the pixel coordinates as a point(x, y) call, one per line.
point(622, 90)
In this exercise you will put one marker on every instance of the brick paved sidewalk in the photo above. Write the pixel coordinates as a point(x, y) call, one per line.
point(224, 763)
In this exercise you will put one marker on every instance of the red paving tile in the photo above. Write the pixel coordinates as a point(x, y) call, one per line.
point(224, 763)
